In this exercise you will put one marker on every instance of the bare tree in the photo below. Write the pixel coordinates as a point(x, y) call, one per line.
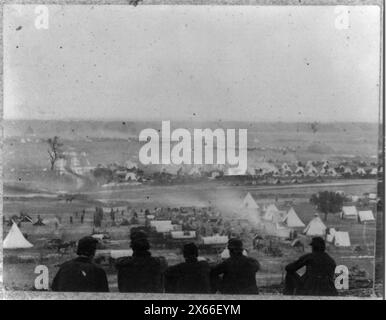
point(55, 150)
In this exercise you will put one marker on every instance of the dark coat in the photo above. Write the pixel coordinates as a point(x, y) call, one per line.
point(141, 273)
point(238, 275)
point(188, 277)
point(318, 279)
point(80, 275)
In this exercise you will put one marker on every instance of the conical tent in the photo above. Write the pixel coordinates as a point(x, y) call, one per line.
point(272, 207)
point(249, 202)
point(292, 220)
point(270, 212)
point(316, 227)
point(15, 239)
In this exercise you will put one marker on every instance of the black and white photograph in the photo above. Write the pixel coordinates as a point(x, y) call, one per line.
point(173, 150)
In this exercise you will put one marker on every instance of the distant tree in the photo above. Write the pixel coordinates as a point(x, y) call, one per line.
point(314, 127)
point(327, 202)
point(55, 150)
point(103, 175)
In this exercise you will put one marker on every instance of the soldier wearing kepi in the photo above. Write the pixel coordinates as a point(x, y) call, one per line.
point(191, 276)
point(141, 272)
point(81, 274)
point(238, 272)
point(318, 279)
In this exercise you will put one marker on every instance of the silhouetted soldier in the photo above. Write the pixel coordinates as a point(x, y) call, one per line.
point(191, 276)
point(141, 272)
point(81, 274)
point(238, 272)
point(318, 279)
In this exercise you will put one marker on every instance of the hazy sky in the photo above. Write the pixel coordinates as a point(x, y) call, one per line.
point(183, 62)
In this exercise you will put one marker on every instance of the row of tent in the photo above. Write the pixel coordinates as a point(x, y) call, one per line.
point(265, 168)
point(315, 227)
point(272, 213)
point(308, 170)
point(292, 220)
point(351, 212)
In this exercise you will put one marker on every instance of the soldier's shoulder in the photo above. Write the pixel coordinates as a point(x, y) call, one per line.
point(251, 260)
point(97, 267)
point(123, 261)
point(68, 263)
point(160, 259)
point(307, 256)
point(204, 264)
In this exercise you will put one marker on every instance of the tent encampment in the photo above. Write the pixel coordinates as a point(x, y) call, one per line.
point(15, 239)
point(349, 212)
point(249, 202)
point(292, 220)
point(316, 227)
point(365, 216)
point(342, 239)
point(225, 253)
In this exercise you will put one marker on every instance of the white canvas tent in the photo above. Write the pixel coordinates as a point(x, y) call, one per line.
point(349, 212)
point(312, 171)
point(162, 226)
point(183, 234)
point(300, 170)
point(316, 227)
point(276, 229)
point(292, 220)
point(365, 216)
point(15, 239)
point(342, 239)
point(275, 216)
point(249, 202)
point(270, 212)
point(216, 239)
point(195, 171)
point(130, 176)
point(271, 207)
point(372, 196)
